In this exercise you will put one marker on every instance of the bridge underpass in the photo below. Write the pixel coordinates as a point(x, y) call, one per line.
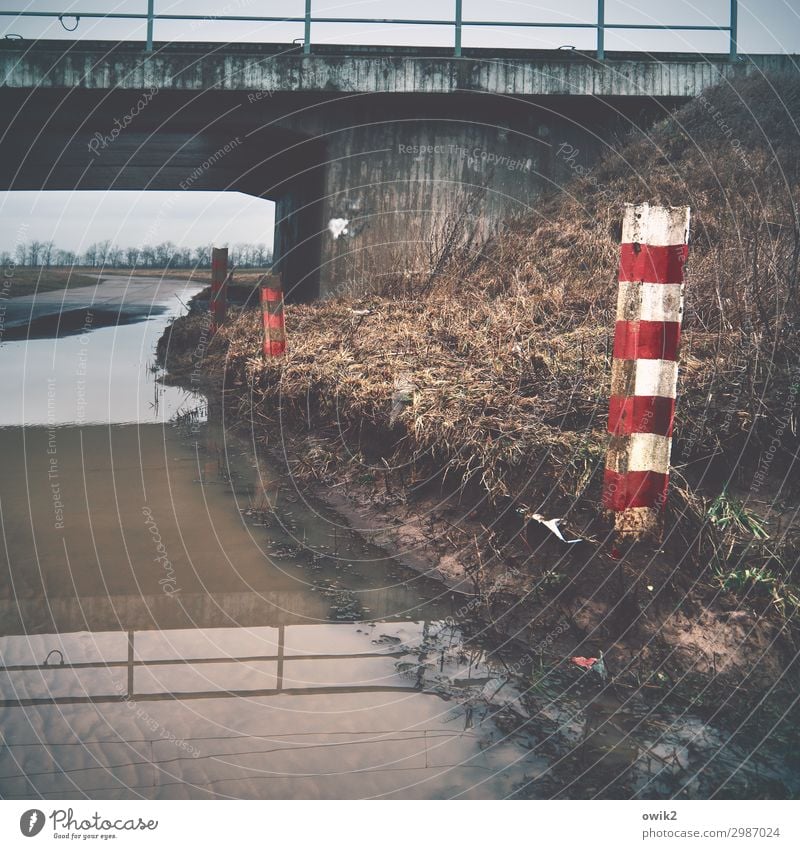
point(378, 159)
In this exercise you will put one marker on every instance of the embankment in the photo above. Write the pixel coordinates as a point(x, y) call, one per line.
point(457, 408)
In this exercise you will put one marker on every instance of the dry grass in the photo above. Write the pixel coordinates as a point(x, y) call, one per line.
point(508, 352)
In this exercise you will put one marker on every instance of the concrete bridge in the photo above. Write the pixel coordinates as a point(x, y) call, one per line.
point(380, 160)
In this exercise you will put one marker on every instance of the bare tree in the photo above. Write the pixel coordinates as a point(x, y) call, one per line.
point(47, 253)
point(34, 252)
point(106, 253)
point(90, 255)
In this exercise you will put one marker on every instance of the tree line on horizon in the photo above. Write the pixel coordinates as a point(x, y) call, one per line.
point(106, 254)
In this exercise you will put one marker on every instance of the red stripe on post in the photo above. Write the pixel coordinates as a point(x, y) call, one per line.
point(646, 340)
point(634, 489)
point(641, 414)
point(652, 263)
point(274, 349)
point(271, 297)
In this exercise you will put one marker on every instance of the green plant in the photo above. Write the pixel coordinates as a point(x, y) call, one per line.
point(729, 514)
point(767, 576)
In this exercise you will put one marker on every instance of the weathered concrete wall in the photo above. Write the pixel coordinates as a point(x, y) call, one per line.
point(380, 161)
point(280, 67)
point(399, 194)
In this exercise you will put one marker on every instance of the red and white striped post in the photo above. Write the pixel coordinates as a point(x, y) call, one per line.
point(644, 372)
point(271, 296)
point(219, 276)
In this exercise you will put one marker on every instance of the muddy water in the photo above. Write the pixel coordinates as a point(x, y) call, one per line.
point(177, 620)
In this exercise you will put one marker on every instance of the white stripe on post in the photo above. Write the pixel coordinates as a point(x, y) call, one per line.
point(649, 452)
point(649, 302)
point(657, 226)
point(656, 377)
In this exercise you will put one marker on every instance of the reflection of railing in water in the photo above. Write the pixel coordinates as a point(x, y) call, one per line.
point(130, 664)
point(457, 23)
point(269, 740)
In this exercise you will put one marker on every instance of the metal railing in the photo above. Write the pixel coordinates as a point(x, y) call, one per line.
point(600, 25)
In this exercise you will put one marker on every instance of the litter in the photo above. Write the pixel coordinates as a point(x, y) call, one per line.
point(552, 526)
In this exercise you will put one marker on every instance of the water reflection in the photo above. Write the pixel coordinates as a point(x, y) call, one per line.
point(328, 711)
point(91, 364)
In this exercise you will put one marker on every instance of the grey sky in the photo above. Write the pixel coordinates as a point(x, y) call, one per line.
point(765, 25)
point(75, 219)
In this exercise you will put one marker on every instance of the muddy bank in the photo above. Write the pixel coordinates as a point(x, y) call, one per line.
point(667, 628)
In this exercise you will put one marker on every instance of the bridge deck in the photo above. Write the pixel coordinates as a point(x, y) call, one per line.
point(273, 68)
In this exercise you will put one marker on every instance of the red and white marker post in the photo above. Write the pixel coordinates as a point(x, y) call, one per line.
point(271, 296)
point(219, 278)
point(644, 372)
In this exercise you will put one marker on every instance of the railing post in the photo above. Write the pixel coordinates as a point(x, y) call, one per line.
point(307, 30)
point(150, 5)
point(734, 54)
point(457, 51)
point(601, 29)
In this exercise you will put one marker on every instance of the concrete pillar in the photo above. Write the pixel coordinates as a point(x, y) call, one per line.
point(400, 197)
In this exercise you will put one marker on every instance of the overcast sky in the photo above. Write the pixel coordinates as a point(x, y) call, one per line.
point(75, 219)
